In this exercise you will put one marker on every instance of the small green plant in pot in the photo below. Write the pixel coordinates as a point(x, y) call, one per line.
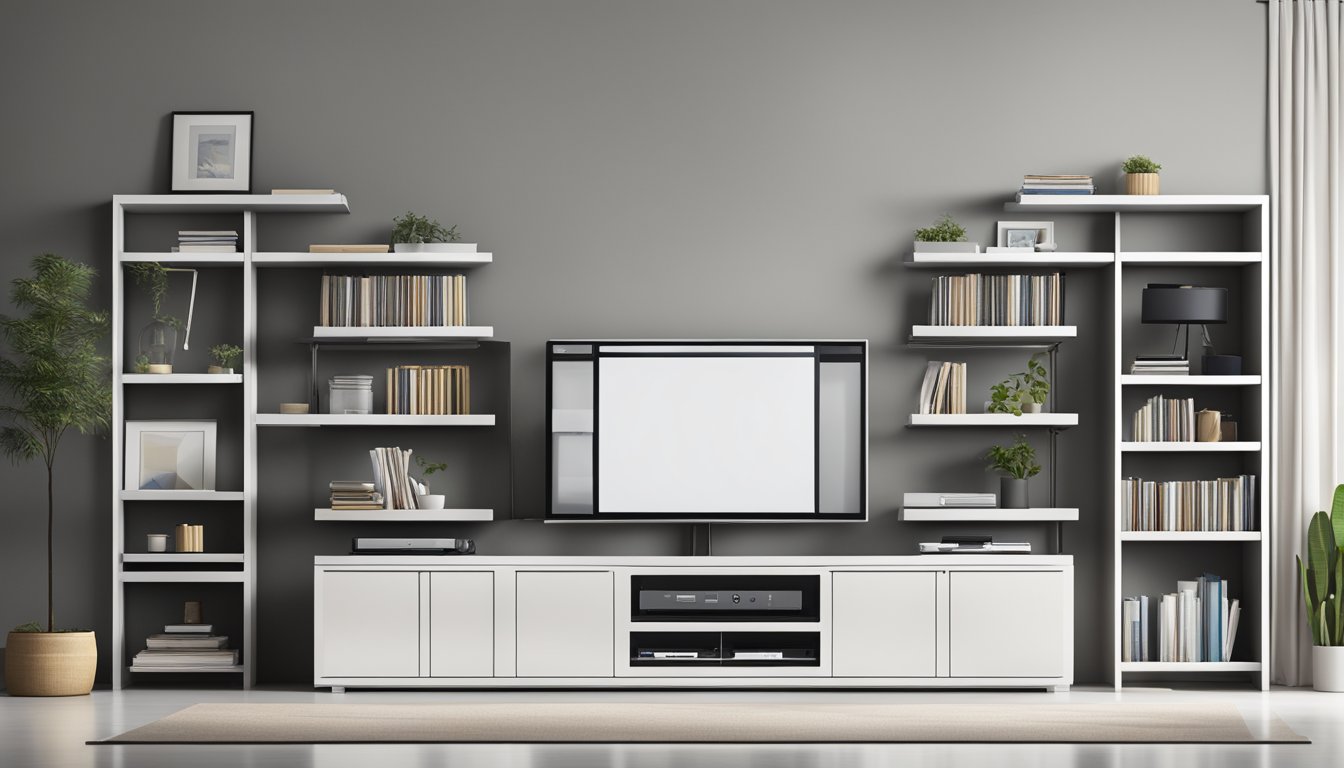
point(225, 357)
point(1024, 391)
point(1141, 175)
point(55, 381)
point(413, 233)
point(1323, 591)
point(944, 236)
point(423, 498)
point(1017, 462)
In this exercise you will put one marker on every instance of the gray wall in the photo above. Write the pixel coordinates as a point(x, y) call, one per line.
point(639, 168)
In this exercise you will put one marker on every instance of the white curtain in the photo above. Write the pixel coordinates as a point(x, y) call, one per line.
point(1305, 88)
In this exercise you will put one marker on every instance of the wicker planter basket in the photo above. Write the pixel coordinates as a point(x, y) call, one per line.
point(1141, 183)
point(50, 663)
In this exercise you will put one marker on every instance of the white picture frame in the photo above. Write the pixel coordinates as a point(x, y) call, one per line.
point(1045, 232)
point(170, 455)
point(212, 152)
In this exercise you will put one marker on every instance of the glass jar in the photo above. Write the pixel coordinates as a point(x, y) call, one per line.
point(158, 342)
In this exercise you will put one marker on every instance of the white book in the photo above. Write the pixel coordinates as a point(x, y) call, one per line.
point(1234, 613)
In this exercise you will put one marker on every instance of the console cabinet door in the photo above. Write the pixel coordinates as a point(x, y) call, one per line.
point(565, 624)
point(884, 624)
point(462, 624)
point(370, 624)
point(1008, 624)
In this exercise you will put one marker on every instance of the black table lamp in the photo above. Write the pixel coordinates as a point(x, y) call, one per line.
point(1187, 305)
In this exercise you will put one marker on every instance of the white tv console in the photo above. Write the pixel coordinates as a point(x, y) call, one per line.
point(933, 621)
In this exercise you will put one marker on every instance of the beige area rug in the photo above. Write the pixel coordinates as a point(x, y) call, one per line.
point(707, 723)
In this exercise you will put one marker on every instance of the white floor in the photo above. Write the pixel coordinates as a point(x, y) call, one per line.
point(52, 732)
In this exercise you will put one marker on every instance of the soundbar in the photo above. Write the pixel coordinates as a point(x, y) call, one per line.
point(376, 546)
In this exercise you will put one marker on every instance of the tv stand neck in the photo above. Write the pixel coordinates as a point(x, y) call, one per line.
point(701, 539)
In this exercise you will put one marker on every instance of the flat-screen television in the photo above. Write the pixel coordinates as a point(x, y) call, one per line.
point(707, 431)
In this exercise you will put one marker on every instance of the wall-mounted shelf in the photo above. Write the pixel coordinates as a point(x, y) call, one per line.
point(1189, 535)
point(992, 420)
point(1137, 203)
point(372, 420)
point(226, 203)
point(181, 495)
point(404, 515)
point(990, 515)
point(402, 334)
point(1162, 380)
point(1191, 258)
point(1159, 447)
point(182, 378)
point(1057, 259)
point(183, 557)
point(190, 259)
point(993, 333)
point(304, 260)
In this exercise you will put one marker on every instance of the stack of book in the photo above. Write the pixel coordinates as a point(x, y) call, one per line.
point(1165, 420)
point(1162, 365)
point(944, 388)
point(185, 647)
point(429, 390)
point(977, 299)
point(1196, 623)
point(391, 477)
point(383, 301)
point(206, 241)
point(1062, 184)
point(1225, 504)
point(354, 494)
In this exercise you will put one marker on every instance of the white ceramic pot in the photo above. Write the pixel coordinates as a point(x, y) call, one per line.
point(1327, 668)
point(429, 500)
point(434, 247)
point(1031, 407)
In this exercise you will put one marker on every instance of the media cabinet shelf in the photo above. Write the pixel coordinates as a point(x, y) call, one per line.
point(1057, 259)
point(217, 259)
point(1129, 446)
point(188, 670)
point(1176, 536)
point(989, 515)
point(1190, 666)
point(372, 420)
point(183, 557)
point(1137, 204)
point(404, 515)
point(305, 260)
point(1161, 380)
point(181, 378)
point(401, 333)
point(182, 496)
point(1057, 420)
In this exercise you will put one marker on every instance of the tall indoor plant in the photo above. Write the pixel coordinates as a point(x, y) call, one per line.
point(1323, 591)
point(55, 380)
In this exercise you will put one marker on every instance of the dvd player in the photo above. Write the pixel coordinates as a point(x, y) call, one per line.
point(720, 600)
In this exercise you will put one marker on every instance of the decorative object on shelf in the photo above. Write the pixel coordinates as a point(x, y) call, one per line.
point(1208, 426)
point(421, 234)
point(1064, 184)
point(423, 498)
point(156, 542)
point(190, 646)
point(55, 381)
point(1018, 463)
point(293, 408)
point(1323, 591)
point(1024, 391)
point(158, 339)
point(352, 393)
point(944, 388)
point(1024, 236)
point(1141, 175)
point(1184, 306)
point(999, 300)
point(212, 152)
point(391, 477)
point(944, 236)
point(189, 538)
point(380, 301)
point(206, 241)
point(1229, 430)
point(225, 356)
point(170, 455)
point(191, 612)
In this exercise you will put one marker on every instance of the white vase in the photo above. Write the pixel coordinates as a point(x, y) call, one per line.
point(1327, 668)
point(429, 500)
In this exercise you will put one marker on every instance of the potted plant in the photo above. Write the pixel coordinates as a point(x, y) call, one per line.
point(421, 234)
point(1024, 391)
point(944, 236)
point(1017, 462)
point(158, 339)
point(423, 498)
point(1141, 175)
point(56, 380)
point(1323, 591)
point(224, 355)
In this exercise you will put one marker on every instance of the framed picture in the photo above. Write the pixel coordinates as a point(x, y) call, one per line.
point(170, 456)
point(212, 152)
point(1025, 234)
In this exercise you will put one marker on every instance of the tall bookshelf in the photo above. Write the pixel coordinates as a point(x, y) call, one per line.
point(1150, 562)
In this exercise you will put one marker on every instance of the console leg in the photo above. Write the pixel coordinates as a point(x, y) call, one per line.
point(338, 689)
point(1057, 689)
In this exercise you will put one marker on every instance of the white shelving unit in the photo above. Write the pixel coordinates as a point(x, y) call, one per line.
point(1242, 446)
point(990, 334)
point(1159, 380)
point(403, 515)
point(990, 515)
point(1056, 420)
point(1055, 260)
point(205, 567)
point(371, 420)
point(305, 260)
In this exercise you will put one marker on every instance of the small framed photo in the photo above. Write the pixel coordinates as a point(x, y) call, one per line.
point(170, 456)
point(212, 152)
point(1025, 234)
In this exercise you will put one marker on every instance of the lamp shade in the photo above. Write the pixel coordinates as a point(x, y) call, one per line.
point(1182, 304)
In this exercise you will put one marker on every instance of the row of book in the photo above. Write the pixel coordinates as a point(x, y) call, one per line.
point(185, 646)
point(1225, 504)
point(392, 478)
point(1161, 365)
point(354, 494)
point(944, 388)
point(1057, 184)
point(380, 301)
point(206, 241)
point(429, 390)
point(977, 299)
point(1165, 419)
point(1196, 623)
